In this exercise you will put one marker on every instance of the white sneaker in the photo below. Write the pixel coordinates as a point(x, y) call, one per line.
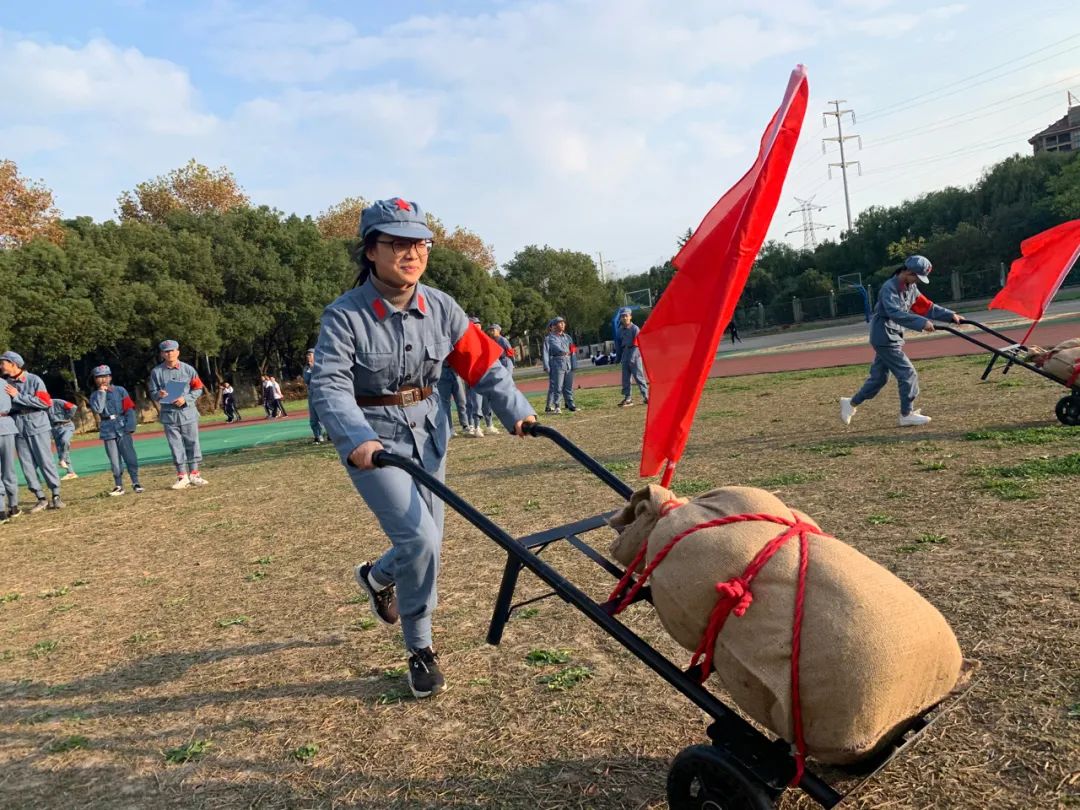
point(116, 491)
point(492, 430)
point(71, 474)
point(197, 480)
point(557, 409)
point(63, 465)
point(914, 418)
point(182, 482)
point(847, 410)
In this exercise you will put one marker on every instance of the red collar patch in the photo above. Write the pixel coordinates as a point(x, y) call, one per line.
point(421, 304)
point(379, 308)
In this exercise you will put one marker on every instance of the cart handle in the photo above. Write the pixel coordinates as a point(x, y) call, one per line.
point(982, 326)
point(588, 462)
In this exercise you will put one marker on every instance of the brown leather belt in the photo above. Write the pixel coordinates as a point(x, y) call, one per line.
point(404, 397)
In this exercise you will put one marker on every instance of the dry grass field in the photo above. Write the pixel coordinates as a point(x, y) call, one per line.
point(208, 648)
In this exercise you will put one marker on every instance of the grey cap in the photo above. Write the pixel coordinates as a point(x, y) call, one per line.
point(493, 327)
point(473, 319)
point(14, 357)
point(920, 266)
point(625, 311)
point(101, 371)
point(555, 320)
point(168, 346)
point(311, 351)
point(395, 217)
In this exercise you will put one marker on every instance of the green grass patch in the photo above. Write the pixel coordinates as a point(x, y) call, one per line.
point(1038, 468)
point(305, 753)
point(566, 678)
point(395, 672)
point(479, 682)
point(9, 597)
point(55, 592)
point(235, 620)
point(526, 613)
point(879, 520)
point(364, 623)
point(545, 657)
point(1029, 435)
point(531, 505)
point(830, 449)
point(688, 487)
point(932, 465)
point(194, 750)
point(932, 539)
point(263, 560)
point(43, 648)
point(619, 466)
point(391, 696)
point(75, 741)
point(256, 575)
point(787, 479)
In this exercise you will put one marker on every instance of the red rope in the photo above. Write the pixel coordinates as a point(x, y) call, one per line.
point(736, 597)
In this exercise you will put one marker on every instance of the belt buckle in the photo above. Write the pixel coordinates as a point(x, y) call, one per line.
point(409, 396)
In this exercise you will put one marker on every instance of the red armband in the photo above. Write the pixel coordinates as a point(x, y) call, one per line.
point(44, 397)
point(473, 355)
point(196, 383)
point(127, 405)
point(922, 305)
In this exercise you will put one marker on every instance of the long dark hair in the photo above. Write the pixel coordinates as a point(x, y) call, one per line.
point(360, 257)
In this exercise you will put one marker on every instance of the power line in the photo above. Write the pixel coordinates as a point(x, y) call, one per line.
point(807, 209)
point(840, 138)
point(891, 109)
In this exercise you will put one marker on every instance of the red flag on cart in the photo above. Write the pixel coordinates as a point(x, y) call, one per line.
point(678, 342)
point(1034, 278)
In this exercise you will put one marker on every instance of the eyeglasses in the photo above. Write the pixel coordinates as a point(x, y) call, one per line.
point(401, 247)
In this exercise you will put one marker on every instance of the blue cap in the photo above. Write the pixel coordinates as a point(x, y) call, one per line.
point(920, 266)
point(14, 357)
point(395, 217)
point(102, 371)
point(625, 311)
point(494, 326)
point(311, 351)
point(168, 346)
point(555, 320)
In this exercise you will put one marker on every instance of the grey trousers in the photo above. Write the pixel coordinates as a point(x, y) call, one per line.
point(892, 359)
point(183, 442)
point(454, 395)
point(35, 453)
point(314, 423)
point(122, 449)
point(62, 435)
point(413, 520)
point(560, 381)
point(631, 367)
point(7, 470)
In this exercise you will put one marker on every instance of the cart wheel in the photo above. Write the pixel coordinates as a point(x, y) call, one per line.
point(1068, 410)
point(703, 777)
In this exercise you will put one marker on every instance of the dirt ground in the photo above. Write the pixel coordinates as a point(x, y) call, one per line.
point(208, 648)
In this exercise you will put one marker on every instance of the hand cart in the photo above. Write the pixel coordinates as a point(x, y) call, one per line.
point(740, 767)
point(1068, 407)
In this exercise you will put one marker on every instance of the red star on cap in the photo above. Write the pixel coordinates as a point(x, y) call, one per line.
point(402, 205)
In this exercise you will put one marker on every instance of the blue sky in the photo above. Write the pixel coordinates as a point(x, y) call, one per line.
point(607, 126)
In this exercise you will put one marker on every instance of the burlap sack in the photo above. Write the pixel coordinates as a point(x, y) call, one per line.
point(874, 652)
point(1063, 363)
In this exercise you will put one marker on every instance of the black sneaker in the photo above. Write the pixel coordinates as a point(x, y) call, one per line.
point(425, 677)
point(14, 512)
point(39, 506)
point(572, 408)
point(384, 602)
point(4, 517)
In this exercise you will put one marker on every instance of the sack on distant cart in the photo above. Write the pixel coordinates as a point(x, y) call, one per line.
point(874, 653)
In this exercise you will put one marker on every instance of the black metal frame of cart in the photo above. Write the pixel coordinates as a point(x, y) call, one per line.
point(1068, 407)
point(741, 767)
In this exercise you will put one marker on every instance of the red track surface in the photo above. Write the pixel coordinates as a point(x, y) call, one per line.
point(800, 360)
point(794, 360)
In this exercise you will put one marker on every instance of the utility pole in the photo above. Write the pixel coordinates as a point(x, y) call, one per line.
point(840, 138)
point(600, 265)
point(807, 209)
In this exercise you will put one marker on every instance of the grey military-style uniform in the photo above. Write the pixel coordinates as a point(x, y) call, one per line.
point(626, 350)
point(33, 442)
point(60, 413)
point(367, 348)
point(181, 423)
point(8, 475)
point(558, 363)
point(313, 416)
point(898, 307)
point(117, 412)
point(452, 391)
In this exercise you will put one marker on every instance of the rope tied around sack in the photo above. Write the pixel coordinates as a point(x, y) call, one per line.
point(735, 597)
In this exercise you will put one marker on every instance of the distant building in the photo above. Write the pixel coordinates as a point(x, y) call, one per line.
point(1061, 136)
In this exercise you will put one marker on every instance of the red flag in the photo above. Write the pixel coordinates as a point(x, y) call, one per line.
point(679, 340)
point(1034, 278)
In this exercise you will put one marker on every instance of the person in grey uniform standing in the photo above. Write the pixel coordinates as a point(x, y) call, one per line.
point(474, 403)
point(60, 413)
point(313, 417)
point(116, 409)
point(378, 358)
point(30, 402)
point(507, 360)
point(179, 416)
point(899, 305)
point(452, 391)
point(559, 361)
point(8, 476)
point(626, 350)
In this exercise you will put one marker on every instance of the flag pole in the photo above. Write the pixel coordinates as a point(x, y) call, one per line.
point(669, 471)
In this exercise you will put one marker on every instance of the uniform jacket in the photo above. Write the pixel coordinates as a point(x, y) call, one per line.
point(556, 346)
point(626, 342)
point(116, 409)
point(7, 424)
point(899, 308)
point(193, 389)
point(61, 411)
point(507, 357)
point(30, 407)
point(367, 347)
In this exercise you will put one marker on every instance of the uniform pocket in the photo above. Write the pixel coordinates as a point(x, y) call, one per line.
point(434, 354)
point(374, 372)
